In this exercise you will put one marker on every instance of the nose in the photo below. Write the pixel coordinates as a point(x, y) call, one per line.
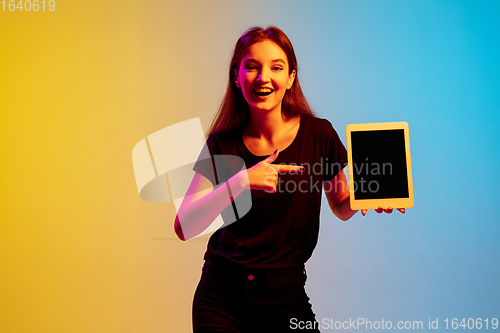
point(263, 76)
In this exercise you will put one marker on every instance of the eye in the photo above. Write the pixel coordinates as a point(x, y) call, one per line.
point(250, 67)
point(277, 68)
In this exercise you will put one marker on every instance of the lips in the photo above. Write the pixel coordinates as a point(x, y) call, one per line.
point(263, 92)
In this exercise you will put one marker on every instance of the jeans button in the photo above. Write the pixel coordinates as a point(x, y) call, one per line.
point(251, 277)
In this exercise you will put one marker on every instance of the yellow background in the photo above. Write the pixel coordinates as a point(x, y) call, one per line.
point(80, 86)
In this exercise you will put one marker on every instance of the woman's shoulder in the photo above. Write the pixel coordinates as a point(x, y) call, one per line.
point(230, 134)
point(224, 141)
point(320, 126)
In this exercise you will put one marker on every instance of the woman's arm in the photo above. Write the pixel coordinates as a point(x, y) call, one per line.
point(202, 204)
point(337, 193)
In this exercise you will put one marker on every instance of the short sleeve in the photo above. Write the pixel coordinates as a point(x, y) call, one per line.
point(335, 154)
point(204, 164)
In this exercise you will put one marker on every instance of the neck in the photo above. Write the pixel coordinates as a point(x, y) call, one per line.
point(266, 124)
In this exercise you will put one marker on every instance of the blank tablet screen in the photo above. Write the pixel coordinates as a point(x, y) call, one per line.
point(379, 164)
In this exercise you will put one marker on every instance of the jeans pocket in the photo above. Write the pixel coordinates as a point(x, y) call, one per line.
point(289, 290)
point(212, 277)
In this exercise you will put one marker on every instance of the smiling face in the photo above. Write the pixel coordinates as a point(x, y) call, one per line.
point(264, 77)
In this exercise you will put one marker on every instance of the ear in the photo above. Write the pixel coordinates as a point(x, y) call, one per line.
point(236, 79)
point(291, 78)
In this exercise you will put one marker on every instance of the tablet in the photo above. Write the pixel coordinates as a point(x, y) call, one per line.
point(379, 165)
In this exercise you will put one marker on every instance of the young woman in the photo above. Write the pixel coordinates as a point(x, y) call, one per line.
point(254, 276)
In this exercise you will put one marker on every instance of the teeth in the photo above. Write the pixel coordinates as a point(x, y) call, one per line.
point(263, 91)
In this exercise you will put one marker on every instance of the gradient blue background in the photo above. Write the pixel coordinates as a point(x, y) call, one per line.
point(435, 65)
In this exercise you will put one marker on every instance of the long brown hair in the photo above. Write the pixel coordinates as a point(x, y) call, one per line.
point(234, 111)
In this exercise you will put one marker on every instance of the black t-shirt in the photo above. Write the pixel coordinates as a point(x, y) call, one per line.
point(281, 229)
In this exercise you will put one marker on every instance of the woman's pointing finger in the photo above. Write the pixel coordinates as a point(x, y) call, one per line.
point(289, 168)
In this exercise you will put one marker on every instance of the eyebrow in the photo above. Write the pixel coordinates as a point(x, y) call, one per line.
point(273, 61)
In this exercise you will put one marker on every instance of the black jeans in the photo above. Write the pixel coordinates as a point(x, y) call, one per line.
point(231, 298)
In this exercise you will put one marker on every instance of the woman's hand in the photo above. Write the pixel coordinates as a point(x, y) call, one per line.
point(264, 175)
point(380, 209)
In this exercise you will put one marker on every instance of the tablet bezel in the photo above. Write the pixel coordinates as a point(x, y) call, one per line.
point(358, 204)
